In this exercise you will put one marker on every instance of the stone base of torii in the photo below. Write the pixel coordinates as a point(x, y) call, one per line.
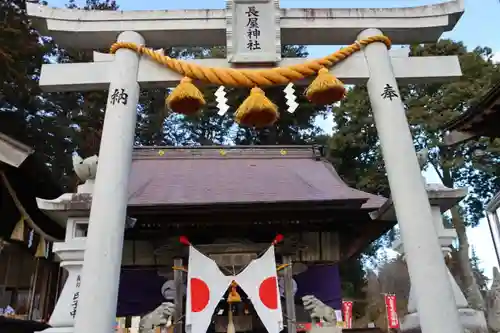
point(441, 199)
point(129, 71)
point(71, 210)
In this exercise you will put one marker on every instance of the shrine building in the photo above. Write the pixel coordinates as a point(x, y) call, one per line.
point(30, 278)
point(231, 202)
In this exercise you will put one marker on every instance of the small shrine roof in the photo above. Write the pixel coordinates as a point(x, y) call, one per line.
point(479, 120)
point(239, 175)
point(26, 178)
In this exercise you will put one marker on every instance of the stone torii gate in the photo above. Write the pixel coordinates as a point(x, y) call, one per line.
point(373, 65)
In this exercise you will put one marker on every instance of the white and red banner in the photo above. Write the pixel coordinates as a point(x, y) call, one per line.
point(259, 281)
point(206, 286)
point(392, 316)
point(347, 313)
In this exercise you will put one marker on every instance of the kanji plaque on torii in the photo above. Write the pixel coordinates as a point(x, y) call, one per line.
point(253, 31)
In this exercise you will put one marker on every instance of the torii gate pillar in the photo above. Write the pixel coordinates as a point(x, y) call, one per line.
point(103, 254)
point(428, 273)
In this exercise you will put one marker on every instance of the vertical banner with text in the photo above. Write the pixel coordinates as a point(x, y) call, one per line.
point(347, 313)
point(392, 316)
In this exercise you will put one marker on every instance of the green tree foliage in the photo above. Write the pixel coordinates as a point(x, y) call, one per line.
point(481, 279)
point(353, 283)
point(354, 146)
point(26, 113)
point(20, 58)
point(58, 124)
point(79, 115)
point(453, 263)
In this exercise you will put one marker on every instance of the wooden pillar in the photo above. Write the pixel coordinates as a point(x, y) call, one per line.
point(52, 289)
point(289, 299)
point(33, 288)
point(178, 279)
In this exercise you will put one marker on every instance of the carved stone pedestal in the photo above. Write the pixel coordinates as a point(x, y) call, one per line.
point(70, 253)
point(469, 318)
point(71, 256)
point(442, 199)
point(71, 210)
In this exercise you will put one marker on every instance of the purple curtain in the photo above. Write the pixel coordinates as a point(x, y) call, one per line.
point(322, 282)
point(140, 292)
point(140, 289)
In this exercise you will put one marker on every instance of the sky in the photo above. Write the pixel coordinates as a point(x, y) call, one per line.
point(477, 27)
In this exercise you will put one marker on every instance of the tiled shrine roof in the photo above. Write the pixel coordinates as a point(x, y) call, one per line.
point(239, 175)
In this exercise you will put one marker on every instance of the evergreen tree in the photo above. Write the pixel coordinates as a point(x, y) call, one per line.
point(353, 283)
point(481, 279)
point(21, 56)
point(61, 123)
point(79, 114)
point(25, 110)
point(354, 146)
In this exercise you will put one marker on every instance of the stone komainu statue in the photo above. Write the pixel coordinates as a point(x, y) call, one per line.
point(85, 169)
point(162, 315)
point(319, 311)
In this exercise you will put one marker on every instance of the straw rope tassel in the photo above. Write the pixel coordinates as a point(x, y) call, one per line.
point(257, 110)
point(18, 232)
point(41, 248)
point(232, 77)
point(185, 98)
point(325, 89)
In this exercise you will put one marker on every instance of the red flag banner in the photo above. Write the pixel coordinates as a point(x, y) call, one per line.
point(347, 313)
point(392, 316)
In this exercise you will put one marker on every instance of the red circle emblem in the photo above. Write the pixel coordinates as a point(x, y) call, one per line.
point(268, 293)
point(200, 295)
